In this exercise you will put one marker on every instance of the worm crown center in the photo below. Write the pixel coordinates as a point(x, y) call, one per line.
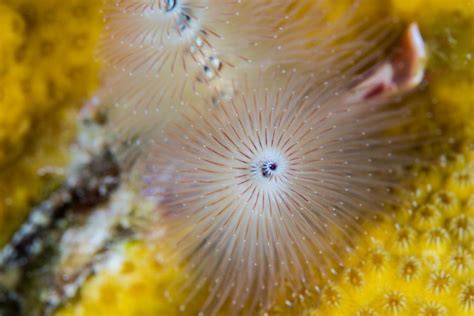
point(270, 166)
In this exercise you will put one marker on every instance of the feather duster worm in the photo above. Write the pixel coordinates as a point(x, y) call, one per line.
point(161, 54)
point(267, 190)
point(156, 51)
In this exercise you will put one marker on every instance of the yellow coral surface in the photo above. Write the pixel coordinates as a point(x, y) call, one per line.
point(46, 71)
point(419, 262)
point(135, 281)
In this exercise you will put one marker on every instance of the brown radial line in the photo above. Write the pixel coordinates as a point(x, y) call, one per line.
point(162, 58)
point(247, 112)
point(220, 143)
point(213, 162)
point(256, 198)
point(120, 60)
point(250, 185)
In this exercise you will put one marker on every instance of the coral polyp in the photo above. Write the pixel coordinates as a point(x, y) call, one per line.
point(258, 192)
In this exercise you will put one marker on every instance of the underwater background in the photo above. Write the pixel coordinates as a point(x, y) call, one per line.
point(416, 260)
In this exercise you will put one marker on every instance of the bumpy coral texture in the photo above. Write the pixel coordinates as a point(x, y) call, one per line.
point(135, 282)
point(46, 71)
point(419, 262)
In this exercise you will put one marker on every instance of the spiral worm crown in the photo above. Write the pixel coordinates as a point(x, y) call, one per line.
point(258, 192)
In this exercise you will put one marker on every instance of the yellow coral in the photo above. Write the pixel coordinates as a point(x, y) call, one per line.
point(431, 274)
point(430, 7)
point(11, 74)
point(46, 71)
point(135, 281)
